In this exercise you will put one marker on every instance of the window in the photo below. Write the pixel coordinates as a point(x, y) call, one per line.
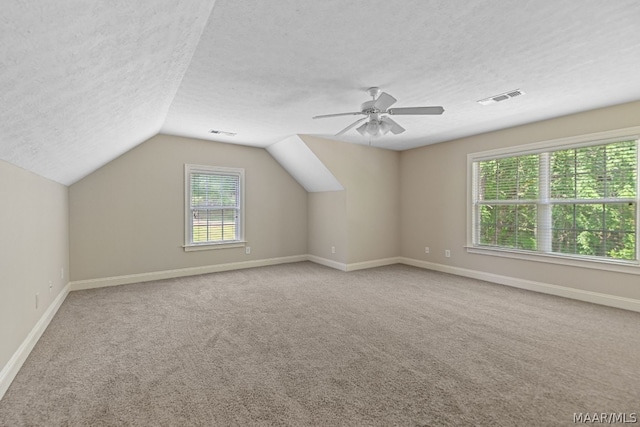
point(214, 206)
point(569, 200)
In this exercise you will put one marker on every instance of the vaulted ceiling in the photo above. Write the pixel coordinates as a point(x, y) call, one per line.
point(83, 81)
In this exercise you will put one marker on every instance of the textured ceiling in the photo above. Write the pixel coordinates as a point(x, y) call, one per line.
point(85, 80)
point(263, 69)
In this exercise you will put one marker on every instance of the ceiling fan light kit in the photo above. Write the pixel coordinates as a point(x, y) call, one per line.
point(377, 123)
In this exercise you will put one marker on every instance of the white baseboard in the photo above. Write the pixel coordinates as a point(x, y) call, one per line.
point(563, 291)
point(372, 264)
point(546, 288)
point(10, 370)
point(353, 266)
point(182, 272)
point(327, 262)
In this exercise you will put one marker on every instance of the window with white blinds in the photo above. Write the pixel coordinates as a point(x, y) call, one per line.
point(573, 200)
point(213, 205)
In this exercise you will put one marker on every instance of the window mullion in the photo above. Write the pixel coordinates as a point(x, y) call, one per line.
point(544, 226)
point(637, 201)
point(475, 214)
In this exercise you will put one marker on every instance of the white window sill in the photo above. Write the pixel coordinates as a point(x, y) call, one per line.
point(209, 246)
point(621, 266)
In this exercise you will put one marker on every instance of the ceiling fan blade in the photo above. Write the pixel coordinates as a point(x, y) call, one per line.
point(384, 101)
point(416, 111)
point(351, 126)
point(355, 113)
point(395, 127)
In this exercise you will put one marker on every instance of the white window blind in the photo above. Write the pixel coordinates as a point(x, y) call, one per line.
point(214, 211)
point(579, 201)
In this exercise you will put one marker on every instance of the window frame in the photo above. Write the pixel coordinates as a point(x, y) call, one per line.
point(597, 262)
point(189, 245)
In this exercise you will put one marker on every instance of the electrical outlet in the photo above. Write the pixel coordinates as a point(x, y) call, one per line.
point(247, 250)
point(426, 249)
point(447, 253)
point(333, 249)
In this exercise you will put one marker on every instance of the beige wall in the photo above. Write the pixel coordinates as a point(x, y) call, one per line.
point(371, 178)
point(434, 196)
point(328, 225)
point(33, 249)
point(128, 216)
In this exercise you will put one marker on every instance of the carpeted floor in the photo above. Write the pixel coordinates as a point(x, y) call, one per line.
point(301, 344)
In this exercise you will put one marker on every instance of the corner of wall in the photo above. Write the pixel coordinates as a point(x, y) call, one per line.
point(10, 370)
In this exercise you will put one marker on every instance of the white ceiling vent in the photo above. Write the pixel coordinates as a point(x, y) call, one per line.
point(221, 132)
point(501, 97)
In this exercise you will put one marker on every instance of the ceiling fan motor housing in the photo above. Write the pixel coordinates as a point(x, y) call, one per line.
point(367, 106)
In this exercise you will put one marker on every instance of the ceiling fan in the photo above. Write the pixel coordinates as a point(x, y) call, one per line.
point(377, 123)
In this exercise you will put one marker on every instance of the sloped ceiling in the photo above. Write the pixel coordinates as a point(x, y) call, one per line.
point(83, 81)
point(86, 80)
point(304, 166)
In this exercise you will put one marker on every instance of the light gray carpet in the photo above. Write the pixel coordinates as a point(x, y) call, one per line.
point(301, 344)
